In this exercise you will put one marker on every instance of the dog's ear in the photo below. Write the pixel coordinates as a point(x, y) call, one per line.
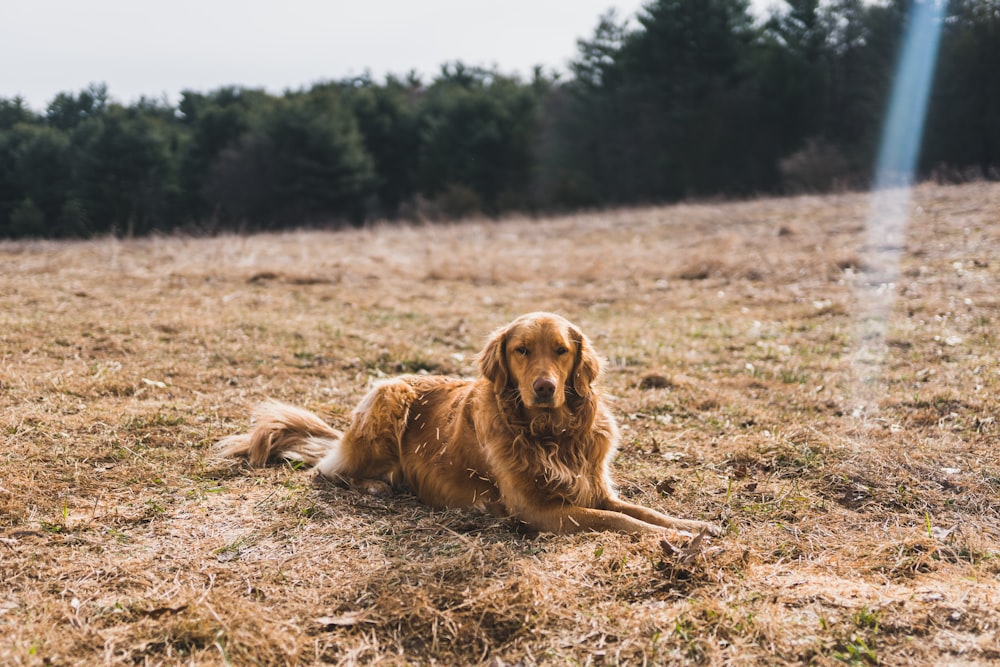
point(493, 360)
point(587, 367)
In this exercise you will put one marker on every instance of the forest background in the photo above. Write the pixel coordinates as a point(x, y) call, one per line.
point(696, 99)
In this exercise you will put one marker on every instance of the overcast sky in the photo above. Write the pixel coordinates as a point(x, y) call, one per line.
point(154, 49)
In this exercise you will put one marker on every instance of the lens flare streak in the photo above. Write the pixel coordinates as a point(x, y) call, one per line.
point(889, 207)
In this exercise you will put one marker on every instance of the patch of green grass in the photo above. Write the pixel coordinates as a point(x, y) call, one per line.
point(867, 619)
point(855, 652)
point(141, 423)
point(797, 375)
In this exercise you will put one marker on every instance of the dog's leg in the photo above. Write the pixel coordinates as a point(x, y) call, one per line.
point(570, 519)
point(651, 516)
point(616, 515)
point(368, 457)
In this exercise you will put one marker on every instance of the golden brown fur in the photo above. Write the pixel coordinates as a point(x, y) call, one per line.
point(530, 438)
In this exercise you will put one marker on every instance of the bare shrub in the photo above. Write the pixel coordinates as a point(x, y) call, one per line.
point(816, 167)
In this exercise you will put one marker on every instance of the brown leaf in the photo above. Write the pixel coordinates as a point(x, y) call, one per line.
point(686, 553)
point(667, 486)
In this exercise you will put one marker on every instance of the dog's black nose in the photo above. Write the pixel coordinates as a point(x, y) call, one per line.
point(544, 388)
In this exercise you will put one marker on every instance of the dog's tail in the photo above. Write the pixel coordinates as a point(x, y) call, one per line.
point(282, 431)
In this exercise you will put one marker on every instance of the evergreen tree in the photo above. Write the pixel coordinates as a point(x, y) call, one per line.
point(212, 123)
point(14, 111)
point(477, 129)
point(124, 177)
point(67, 110)
point(302, 160)
point(388, 120)
point(962, 136)
point(36, 177)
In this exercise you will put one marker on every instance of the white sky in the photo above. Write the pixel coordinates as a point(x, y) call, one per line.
point(138, 47)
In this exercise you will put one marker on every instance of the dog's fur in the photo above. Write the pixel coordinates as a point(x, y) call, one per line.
point(529, 439)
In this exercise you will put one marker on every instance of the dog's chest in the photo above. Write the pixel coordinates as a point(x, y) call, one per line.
point(559, 470)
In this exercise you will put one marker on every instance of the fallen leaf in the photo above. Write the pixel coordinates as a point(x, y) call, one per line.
point(667, 486)
point(686, 553)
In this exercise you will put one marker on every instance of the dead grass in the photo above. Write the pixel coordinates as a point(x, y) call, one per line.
point(857, 533)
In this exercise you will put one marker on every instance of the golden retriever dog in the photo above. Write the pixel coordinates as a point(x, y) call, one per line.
point(529, 439)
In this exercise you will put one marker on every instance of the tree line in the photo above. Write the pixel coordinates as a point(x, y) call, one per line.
point(696, 98)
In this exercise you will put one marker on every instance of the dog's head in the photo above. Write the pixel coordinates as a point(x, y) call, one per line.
point(544, 357)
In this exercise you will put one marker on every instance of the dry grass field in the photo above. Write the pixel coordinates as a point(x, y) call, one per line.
point(861, 506)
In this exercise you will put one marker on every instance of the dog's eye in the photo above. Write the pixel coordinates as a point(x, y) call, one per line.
point(522, 350)
point(561, 350)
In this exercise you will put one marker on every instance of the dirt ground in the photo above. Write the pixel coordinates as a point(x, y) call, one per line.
point(859, 492)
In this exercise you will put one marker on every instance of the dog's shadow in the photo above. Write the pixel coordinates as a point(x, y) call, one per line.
point(405, 513)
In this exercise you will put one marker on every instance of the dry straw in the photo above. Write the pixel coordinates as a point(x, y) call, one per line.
point(852, 539)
